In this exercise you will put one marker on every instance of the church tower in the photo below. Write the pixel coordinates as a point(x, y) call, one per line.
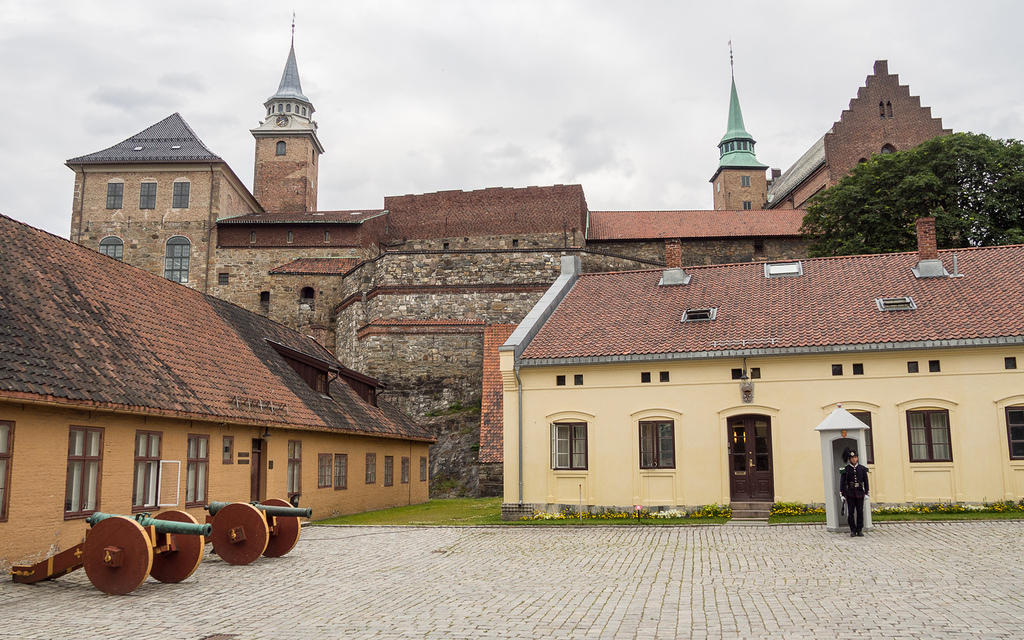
point(287, 148)
point(739, 182)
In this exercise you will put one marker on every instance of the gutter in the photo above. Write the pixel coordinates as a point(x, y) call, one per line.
point(777, 351)
point(526, 331)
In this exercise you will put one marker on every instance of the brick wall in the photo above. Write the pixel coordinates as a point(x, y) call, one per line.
point(287, 182)
point(865, 127)
point(729, 192)
point(487, 212)
point(276, 235)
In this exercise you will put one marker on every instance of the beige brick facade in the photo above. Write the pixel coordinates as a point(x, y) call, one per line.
point(36, 525)
point(736, 189)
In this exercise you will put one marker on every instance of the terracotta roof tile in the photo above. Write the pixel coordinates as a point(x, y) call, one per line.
point(831, 304)
point(644, 225)
point(317, 266)
point(491, 411)
point(79, 328)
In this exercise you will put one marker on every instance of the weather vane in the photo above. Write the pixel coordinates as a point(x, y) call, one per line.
point(732, 69)
point(293, 27)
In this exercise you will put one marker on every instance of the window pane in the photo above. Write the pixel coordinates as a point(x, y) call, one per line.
point(76, 442)
point(5, 430)
point(203, 442)
point(666, 445)
point(140, 445)
point(139, 490)
point(1018, 449)
point(91, 485)
point(190, 483)
point(201, 482)
point(154, 446)
point(73, 489)
point(1017, 433)
point(3, 481)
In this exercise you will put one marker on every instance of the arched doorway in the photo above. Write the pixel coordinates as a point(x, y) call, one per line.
point(751, 476)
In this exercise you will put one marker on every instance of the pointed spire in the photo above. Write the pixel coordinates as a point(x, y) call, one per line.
point(291, 86)
point(736, 148)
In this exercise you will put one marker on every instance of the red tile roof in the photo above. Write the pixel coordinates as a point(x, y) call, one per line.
point(831, 304)
point(353, 216)
point(644, 225)
point(492, 424)
point(81, 329)
point(317, 266)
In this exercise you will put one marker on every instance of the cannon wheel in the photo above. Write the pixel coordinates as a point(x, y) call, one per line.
point(177, 565)
point(286, 531)
point(130, 549)
point(240, 533)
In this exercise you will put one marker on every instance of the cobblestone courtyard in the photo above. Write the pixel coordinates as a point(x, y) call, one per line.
point(917, 580)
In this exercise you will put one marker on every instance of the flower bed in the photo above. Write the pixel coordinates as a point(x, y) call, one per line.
point(638, 513)
point(1004, 506)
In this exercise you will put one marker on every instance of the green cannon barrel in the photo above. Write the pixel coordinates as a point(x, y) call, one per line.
point(271, 510)
point(162, 526)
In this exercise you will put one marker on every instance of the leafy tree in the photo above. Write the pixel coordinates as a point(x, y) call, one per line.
point(972, 184)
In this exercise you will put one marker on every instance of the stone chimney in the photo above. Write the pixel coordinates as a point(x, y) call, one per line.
point(776, 173)
point(928, 263)
point(673, 253)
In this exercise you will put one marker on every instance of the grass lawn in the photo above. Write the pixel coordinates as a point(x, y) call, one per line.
point(476, 511)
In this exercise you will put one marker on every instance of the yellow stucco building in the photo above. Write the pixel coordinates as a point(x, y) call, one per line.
point(679, 388)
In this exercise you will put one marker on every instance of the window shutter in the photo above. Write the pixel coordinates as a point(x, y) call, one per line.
point(554, 446)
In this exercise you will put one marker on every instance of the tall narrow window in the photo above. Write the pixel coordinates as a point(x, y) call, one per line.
point(145, 488)
point(112, 246)
point(307, 296)
point(423, 468)
point(147, 195)
point(928, 433)
point(291, 237)
point(228, 450)
point(252, 237)
point(405, 470)
point(179, 197)
point(280, 148)
point(6, 442)
point(657, 445)
point(115, 195)
point(85, 458)
point(888, 109)
point(881, 109)
point(197, 469)
point(869, 440)
point(389, 471)
point(1014, 432)
point(569, 445)
point(371, 468)
point(341, 471)
point(323, 470)
point(176, 258)
point(265, 301)
point(294, 468)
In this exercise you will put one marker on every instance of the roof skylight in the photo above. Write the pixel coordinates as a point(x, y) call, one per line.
point(906, 303)
point(783, 269)
point(695, 315)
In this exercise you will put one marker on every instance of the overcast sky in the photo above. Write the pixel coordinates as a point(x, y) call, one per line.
point(628, 99)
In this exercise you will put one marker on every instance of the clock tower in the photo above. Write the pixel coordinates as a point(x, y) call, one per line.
point(287, 147)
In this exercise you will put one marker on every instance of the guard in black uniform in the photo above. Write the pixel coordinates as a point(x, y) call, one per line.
point(853, 485)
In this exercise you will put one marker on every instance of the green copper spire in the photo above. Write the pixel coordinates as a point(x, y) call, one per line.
point(736, 148)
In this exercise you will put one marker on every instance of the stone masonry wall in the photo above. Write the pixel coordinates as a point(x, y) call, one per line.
point(145, 231)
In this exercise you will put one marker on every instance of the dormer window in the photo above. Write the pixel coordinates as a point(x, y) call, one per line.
point(783, 269)
point(696, 315)
point(905, 303)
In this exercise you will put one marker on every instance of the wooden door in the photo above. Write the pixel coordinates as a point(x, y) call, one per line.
point(750, 459)
point(256, 471)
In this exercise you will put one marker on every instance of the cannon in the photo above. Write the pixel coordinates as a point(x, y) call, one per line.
point(244, 531)
point(119, 552)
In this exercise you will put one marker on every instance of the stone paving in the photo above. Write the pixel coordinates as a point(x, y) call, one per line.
point(914, 580)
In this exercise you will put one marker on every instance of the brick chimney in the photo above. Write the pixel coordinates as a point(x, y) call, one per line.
point(927, 249)
point(928, 263)
point(673, 253)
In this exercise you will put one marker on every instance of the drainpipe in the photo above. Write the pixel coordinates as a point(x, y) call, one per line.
point(519, 420)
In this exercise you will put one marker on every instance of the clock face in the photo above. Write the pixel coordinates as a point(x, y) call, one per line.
point(282, 121)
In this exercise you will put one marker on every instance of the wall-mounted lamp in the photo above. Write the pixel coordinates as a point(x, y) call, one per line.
point(266, 433)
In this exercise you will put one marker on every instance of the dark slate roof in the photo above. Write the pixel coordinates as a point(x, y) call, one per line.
point(353, 216)
point(794, 176)
point(170, 140)
point(81, 329)
point(831, 305)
